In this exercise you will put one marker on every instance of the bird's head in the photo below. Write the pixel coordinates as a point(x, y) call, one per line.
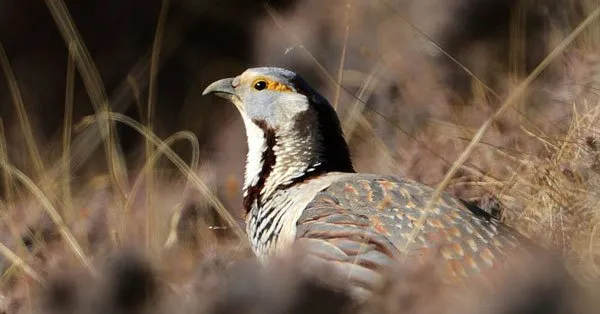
point(274, 96)
point(292, 130)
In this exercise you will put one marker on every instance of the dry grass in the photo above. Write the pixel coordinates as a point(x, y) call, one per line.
point(62, 240)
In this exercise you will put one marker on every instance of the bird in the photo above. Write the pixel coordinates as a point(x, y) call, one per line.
point(300, 187)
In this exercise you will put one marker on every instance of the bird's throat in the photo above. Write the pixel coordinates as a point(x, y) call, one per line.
point(260, 161)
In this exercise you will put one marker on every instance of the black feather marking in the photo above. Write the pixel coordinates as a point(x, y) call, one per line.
point(268, 162)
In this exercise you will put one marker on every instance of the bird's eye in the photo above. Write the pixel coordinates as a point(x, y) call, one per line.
point(260, 85)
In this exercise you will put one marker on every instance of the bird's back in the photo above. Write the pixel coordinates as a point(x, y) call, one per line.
point(364, 222)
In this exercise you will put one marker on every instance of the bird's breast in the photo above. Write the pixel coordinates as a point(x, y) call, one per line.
point(272, 225)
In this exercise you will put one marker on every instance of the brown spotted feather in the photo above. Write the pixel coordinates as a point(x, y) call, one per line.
point(366, 220)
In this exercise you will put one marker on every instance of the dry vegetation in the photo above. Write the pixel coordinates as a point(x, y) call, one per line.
point(141, 235)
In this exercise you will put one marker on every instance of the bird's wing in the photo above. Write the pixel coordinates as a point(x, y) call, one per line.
point(363, 223)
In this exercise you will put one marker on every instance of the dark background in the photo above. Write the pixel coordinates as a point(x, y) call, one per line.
point(207, 40)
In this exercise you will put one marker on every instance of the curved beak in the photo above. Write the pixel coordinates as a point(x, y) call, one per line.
point(222, 88)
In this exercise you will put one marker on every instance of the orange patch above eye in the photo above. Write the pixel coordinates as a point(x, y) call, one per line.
point(275, 86)
point(272, 85)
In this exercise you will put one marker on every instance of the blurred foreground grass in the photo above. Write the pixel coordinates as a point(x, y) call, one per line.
point(544, 182)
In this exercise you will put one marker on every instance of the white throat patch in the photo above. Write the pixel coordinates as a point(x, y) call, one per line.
point(257, 145)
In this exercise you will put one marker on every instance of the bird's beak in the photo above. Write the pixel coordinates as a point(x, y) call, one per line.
point(222, 88)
